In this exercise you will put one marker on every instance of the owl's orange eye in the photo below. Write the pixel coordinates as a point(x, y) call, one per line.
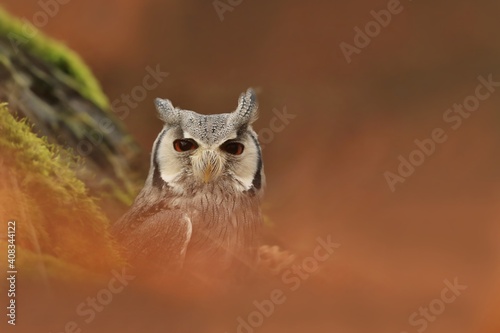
point(183, 145)
point(234, 148)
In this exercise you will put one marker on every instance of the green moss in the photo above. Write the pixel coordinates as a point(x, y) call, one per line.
point(39, 189)
point(24, 35)
point(43, 268)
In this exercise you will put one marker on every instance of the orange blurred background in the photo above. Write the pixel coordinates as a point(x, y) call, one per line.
point(325, 169)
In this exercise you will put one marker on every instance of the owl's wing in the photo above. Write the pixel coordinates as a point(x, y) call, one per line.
point(158, 242)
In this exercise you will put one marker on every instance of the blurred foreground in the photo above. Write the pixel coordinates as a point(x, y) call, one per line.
point(325, 166)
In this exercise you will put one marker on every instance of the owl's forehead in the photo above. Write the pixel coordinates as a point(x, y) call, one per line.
point(209, 129)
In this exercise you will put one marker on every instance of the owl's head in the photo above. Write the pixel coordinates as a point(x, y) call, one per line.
point(195, 150)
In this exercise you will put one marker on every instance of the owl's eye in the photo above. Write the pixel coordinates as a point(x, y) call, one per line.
point(234, 148)
point(183, 145)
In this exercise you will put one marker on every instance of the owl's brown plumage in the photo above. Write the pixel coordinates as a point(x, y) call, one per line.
point(199, 210)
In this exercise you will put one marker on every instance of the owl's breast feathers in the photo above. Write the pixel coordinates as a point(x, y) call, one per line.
point(208, 230)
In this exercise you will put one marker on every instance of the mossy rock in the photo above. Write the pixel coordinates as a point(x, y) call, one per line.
point(49, 84)
point(57, 221)
point(22, 34)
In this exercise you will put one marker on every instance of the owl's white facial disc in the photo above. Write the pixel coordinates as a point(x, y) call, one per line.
point(181, 169)
point(195, 150)
point(244, 167)
point(169, 165)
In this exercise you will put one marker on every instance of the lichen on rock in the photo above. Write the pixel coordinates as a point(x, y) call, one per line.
point(57, 221)
point(23, 35)
point(44, 81)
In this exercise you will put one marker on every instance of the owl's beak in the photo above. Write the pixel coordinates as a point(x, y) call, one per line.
point(207, 165)
point(208, 173)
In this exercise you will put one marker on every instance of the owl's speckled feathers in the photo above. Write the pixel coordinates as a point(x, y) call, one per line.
point(199, 210)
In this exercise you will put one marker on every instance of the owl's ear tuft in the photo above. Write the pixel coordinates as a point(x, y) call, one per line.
point(166, 111)
point(246, 112)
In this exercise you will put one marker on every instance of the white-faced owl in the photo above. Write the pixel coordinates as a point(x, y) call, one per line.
point(199, 210)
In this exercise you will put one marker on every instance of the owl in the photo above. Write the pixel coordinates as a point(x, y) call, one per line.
point(199, 210)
